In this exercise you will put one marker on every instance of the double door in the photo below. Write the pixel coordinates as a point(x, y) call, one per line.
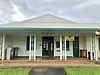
point(48, 46)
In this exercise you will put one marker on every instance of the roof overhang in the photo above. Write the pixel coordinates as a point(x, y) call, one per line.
point(49, 29)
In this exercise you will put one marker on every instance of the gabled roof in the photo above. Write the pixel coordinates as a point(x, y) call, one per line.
point(50, 22)
point(47, 18)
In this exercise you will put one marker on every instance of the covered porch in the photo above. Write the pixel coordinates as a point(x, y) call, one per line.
point(57, 45)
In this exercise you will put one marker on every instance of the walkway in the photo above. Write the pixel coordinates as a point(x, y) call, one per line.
point(47, 71)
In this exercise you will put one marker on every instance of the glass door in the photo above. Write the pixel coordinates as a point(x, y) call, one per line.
point(47, 46)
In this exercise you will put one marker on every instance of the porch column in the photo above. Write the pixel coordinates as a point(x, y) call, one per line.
point(96, 47)
point(87, 43)
point(65, 49)
point(34, 47)
point(3, 47)
point(60, 47)
point(30, 49)
point(91, 48)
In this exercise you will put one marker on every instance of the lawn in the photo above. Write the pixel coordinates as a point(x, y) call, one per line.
point(83, 71)
point(70, 71)
point(15, 71)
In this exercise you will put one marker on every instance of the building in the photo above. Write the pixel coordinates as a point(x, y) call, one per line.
point(51, 36)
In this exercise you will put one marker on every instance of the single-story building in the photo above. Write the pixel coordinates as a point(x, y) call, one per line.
point(49, 36)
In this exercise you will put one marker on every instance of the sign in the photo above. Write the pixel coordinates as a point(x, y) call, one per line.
point(47, 34)
point(70, 38)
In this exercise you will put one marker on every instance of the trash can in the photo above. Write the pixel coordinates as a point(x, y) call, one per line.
point(89, 55)
point(15, 51)
point(83, 53)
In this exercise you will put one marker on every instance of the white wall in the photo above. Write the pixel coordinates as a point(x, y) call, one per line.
point(70, 52)
point(82, 43)
point(7, 41)
point(20, 41)
point(39, 45)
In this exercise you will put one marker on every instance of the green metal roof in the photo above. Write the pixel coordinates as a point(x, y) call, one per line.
point(50, 29)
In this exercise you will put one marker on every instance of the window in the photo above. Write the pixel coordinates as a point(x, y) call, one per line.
point(28, 43)
point(76, 43)
point(58, 44)
point(67, 45)
point(99, 42)
point(63, 44)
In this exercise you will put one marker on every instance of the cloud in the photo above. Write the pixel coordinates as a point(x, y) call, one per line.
point(18, 16)
point(86, 12)
point(76, 10)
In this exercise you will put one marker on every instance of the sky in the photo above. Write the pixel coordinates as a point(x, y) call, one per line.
point(81, 11)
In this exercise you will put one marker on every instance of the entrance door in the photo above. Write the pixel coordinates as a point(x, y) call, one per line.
point(76, 47)
point(48, 46)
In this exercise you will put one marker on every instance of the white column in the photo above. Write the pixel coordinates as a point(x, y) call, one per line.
point(96, 47)
point(34, 47)
point(87, 45)
point(30, 49)
point(91, 48)
point(3, 48)
point(60, 47)
point(65, 49)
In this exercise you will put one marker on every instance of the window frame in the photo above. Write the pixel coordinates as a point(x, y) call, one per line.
point(57, 44)
point(28, 43)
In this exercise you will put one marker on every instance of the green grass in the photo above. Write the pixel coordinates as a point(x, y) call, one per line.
point(15, 71)
point(70, 71)
point(83, 71)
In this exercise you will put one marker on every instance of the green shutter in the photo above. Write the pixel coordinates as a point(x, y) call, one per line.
point(67, 45)
point(99, 42)
point(28, 43)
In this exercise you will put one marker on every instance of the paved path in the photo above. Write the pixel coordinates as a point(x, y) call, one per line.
point(47, 71)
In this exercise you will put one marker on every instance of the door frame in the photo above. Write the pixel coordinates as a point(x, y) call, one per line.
point(53, 45)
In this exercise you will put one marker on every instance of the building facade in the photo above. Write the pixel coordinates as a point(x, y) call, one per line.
point(49, 36)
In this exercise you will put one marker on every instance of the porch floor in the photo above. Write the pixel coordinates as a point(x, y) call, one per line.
point(50, 58)
point(49, 63)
